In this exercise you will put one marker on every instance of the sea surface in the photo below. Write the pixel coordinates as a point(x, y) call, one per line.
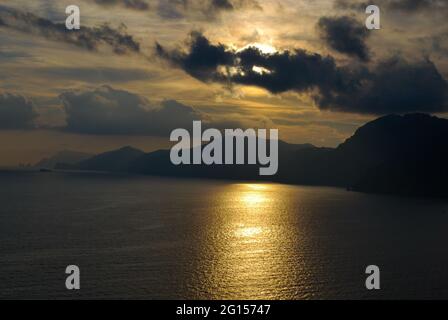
point(155, 238)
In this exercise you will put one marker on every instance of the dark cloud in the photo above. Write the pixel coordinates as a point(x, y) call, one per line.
point(351, 4)
point(296, 70)
point(202, 59)
point(87, 38)
point(416, 5)
point(16, 112)
point(440, 43)
point(106, 111)
point(131, 4)
point(175, 9)
point(399, 5)
point(222, 4)
point(345, 35)
point(391, 86)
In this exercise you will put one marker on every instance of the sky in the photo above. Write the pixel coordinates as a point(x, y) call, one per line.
point(137, 69)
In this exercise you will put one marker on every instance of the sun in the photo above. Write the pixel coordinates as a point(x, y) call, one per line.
point(263, 47)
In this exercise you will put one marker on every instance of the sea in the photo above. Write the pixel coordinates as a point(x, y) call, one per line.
point(139, 237)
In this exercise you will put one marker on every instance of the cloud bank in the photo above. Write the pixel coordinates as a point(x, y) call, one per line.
point(90, 38)
point(395, 85)
point(179, 9)
point(107, 111)
point(175, 9)
point(345, 35)
point(16, 112)
point(409, 6)
point(130, 4)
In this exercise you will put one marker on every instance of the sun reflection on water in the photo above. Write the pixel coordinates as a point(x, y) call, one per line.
point(248, 232)
point(250, 243)
point(253, 195)
point(252, 199)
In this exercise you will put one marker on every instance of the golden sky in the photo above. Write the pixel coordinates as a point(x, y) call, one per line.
point(56, 75)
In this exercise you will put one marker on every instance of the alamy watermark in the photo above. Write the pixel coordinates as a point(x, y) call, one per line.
point(73, 281)
point(373, 21)
point(190, 149)
point(373, 280)
point(73, 21)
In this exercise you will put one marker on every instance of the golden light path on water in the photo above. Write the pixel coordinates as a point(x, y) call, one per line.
point(253, 249)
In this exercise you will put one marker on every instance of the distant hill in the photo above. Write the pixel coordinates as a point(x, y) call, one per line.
point(393, 154)
point(66, 156)
point(113, 161)
point(158, 163)
point(409, 156)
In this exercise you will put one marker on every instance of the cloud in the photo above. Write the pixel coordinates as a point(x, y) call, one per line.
point(107, 111)
point(130, 4)
point(16, 112)
point(440, 43)
point(202, 59)
point(94, 74)
point(345, 35)
point(411, 6)
point(175, 9)
point(88, 38)
point(394, 85)
point(278, 72)
point(415, 5)
point(13, 54)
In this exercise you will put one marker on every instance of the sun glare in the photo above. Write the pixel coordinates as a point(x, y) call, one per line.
point(260, 70)
point(254, 195)
point(263, 47)
point(252, 199)
point(248, 232)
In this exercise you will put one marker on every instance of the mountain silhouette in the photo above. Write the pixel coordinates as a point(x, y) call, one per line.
point(65, 156)
point(113, 161)
point(408, 156)
point(394, 154)
point(159, 163)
